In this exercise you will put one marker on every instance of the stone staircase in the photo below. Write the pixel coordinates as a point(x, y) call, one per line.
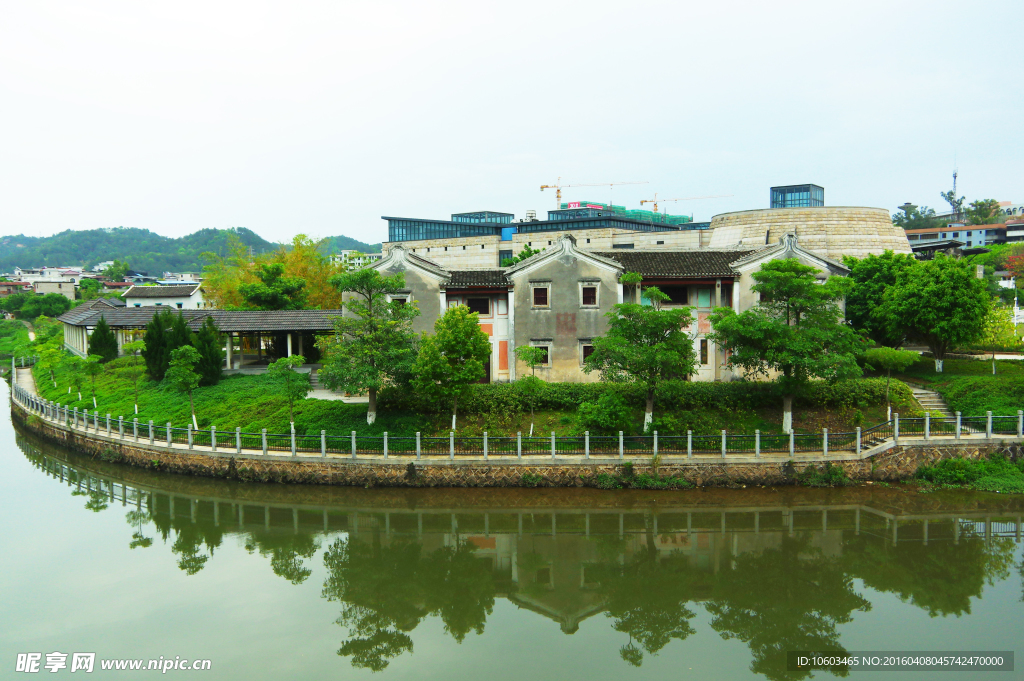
point(932, 401)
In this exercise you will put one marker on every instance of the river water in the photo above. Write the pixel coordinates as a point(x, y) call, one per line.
point(293, 582)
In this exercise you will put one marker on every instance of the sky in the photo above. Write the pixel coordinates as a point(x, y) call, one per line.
point(320, 117)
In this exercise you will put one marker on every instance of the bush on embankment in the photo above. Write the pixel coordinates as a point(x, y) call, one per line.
point(995, 474)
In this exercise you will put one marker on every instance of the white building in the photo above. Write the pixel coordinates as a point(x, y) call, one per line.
point(185, 297)
point(354, 259)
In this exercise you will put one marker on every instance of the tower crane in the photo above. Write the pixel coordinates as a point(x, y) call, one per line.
point(558, 186)
point(655, 200)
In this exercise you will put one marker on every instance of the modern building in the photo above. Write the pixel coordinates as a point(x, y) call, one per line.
point(971, 236)
point(797, 196)
point(183, 297)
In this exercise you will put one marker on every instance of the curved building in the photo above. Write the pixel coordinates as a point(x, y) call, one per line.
point(831, 231)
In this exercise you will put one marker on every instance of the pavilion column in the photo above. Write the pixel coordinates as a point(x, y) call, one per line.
point(229, 348)
point(718, 303)
point(289, 343)
point(259, 347)
point(300, 345)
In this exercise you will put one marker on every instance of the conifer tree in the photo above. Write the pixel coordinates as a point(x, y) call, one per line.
point(154, 354)
point(211, 354)
point(103, 342)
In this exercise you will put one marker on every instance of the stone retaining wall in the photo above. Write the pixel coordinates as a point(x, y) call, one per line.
point(895, 464)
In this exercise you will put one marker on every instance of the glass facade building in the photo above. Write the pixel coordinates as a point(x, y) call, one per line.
point(797, 196)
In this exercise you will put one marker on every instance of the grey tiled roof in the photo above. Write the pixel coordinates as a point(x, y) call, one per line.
point(477, 278)
point(161, 291)
point(691, 264)
point(242, 321)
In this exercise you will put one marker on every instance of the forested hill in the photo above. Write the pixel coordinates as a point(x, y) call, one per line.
point(144, 250)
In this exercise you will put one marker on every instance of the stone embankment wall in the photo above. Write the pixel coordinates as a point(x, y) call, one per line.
point(895, 464)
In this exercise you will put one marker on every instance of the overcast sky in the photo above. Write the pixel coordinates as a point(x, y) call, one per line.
point(318, 118)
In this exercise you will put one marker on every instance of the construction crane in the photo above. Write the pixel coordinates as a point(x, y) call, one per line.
point(688, 198)
point(558, 186)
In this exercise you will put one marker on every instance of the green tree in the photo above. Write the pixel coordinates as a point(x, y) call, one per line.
point(872, 277)
point(984, 212)
point(182, 374)
point(453, 358)
point(917, 218)
point(274, 291)
point(527, 252)
point(889, 360)
point(50, 357)
point(531, 386)
point(208, 342)
point(796, 330)
point(1000, 332)
point(93, 367)
point(645, 345)
point(103, 342)
point(50, 305)
point(373, 344)
point(117, 271)
point(135, 366)
point(293, 385)
point(154, 350)
point(956, 205)
point(89, 288)
point(939, 302)
point(13, 303)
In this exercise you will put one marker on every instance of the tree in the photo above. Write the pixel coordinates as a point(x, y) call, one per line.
point(917, 218)
point(646, 345)
point(796, 330)
point(293, 385)
point(76, 369)
point(872, 276)
point(307, 260)
point(93, 367)
point(117, 270)
point(89, 288)
point(956, 205)
point(532, 357)
point(1015, 265)
point(373, 343)
point(632, 281)
point(453, 358)
point(182, 376)
point(939, 302)
point(527, 252)
point(1000, 332)
point(154, 349)
point(12, 304)
point(274, 290)
point(889, 360)
point(208, 342)
point(50, 357)
point(103, 342)
point(984, 212)
point(50, 305)
point(135, 366)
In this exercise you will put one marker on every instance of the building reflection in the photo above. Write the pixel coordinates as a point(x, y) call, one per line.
point(776, 577)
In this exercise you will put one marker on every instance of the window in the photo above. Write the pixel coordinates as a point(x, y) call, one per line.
point(543, 576)
point(463, 248)
point(588, 241)
point(586, 350)
point(545, 345)
point(179, 306)
point(703, 297)
point(661, 243)
point(588, 296)
point(622, 245)
point(540, 296)
point(677, 295)
point(399, 301)
point(703, 351)
point(481, 306)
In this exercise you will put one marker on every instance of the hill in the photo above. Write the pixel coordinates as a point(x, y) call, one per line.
point(144, 250)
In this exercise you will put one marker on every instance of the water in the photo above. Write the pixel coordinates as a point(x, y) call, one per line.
point(283, 582)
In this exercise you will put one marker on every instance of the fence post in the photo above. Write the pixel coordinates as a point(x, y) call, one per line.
point(552, 445)
point(293, 439)
point(96, 420)
point(74, 423)
point(858, 440)
point(135, 428)
point(988, 425)
point(723, 444)
point(385, 444)
point(654, 444)
point(927, 425)
point(519, 445)
point(896, 428)
point(170, 436)
point(1020, 423)
point(190, 441)
point(213, 438)
point(958, 425)
point(264, 434)
point(151, 432)
point(120, 427)
point(824, 441)
point(689, 444)
point(108, 425)
point(586, 444)
point(451, 445)
point(757, 443)
point(419, 449)
point(323, 444)
point(353, 444)
point(792, 442)
point(622, 451)
point(485, 445)
point(238, 439)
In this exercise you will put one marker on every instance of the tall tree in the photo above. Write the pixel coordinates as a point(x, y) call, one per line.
point(956, 205)
point(532, 357)
point(103, 342)
point(153, 351)
point(93, 367)
point(872, 276)
point(917, 218)
point(182, 375)
point(373, 344)
point(939, 302)
point(645, 344)
point(117, 270)
point(307, 260)
point(796, 330)
point(135, 367)
point(889, 360)
point(208, 342)
point(274, 290)
point(453, 358)
point(984, 212)
point(293, 385)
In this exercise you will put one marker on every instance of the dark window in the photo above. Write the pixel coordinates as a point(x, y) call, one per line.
point(479, 305)
point(179, 305)
point(540, 296)
point(590, 295)
point(588, 350)
point(400, 301)
point(677, 295)
point(622, 245)
point(661, 243)
point(504, 255)
point(703, 351)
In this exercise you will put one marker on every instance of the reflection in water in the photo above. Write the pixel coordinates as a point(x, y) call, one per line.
point(776, 577)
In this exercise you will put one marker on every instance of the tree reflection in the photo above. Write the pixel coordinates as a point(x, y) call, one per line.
point(98, 500)
point(286, 552)
point(137, 519)
point(191, 537)
point(790, 598)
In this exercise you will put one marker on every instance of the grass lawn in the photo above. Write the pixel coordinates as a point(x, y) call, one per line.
point(13, 337)
point(968, 385)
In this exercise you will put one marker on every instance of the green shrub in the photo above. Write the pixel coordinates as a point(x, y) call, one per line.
point(531, 479)
point(826, 476)
point(609, 414)
point(995, 474)
point(606, 481)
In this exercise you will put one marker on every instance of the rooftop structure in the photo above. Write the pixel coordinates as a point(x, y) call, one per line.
point(797, 196)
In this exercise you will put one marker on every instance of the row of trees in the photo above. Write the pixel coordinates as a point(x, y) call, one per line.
point(30, 305)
